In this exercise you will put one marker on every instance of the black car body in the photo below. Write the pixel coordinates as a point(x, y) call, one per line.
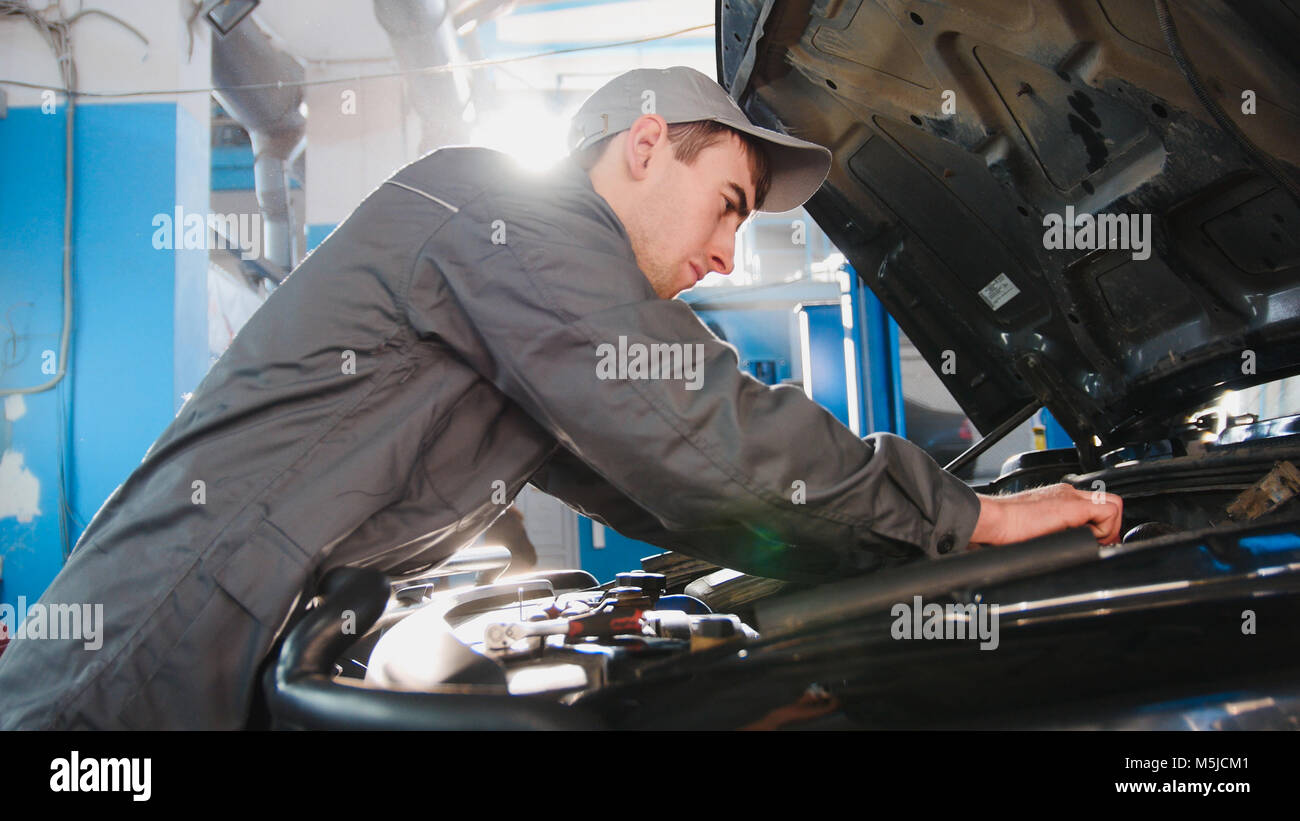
point(959, 130)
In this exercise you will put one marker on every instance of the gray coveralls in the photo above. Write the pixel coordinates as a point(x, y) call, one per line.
point(438, 350)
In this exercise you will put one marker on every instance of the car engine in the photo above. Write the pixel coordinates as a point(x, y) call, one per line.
point(555, 633)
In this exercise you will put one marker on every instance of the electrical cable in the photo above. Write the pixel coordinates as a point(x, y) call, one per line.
point(85, 12)
point(57, 34)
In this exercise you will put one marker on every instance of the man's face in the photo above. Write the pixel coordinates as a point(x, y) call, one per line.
point(686, 224)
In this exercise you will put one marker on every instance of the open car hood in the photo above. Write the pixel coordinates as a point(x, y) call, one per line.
point(958, 128)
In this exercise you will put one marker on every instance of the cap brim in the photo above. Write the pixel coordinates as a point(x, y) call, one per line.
point(798, 167)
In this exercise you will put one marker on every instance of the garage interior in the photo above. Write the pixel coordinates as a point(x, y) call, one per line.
point(209, 147)
point(146, 322)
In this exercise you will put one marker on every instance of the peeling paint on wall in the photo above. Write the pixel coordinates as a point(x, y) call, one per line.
point(20, 490)
point(15, 407)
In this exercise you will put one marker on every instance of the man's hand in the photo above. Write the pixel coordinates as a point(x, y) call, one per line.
point(1043, 510)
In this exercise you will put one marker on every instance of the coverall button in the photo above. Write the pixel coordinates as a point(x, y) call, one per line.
point(945, 544)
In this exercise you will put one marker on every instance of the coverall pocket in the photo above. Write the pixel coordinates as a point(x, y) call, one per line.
point(264, 574)
point(199, 667)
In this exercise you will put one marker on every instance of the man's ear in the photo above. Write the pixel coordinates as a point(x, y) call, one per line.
point(644, 139)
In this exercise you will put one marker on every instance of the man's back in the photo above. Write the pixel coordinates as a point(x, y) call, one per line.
point(314, 441)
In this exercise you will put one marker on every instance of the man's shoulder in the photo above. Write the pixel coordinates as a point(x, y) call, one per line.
point(555, 205)
point(457, 173)
point(485, 170)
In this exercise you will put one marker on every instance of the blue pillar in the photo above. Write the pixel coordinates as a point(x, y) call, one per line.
point(884, 378)
point(139, 327)
point(821, 336)
point(1056, 435)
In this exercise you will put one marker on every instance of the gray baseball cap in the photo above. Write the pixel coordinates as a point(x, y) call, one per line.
point(682, 95)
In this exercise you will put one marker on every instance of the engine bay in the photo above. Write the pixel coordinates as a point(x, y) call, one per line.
point(677, 631)
point(542, 633)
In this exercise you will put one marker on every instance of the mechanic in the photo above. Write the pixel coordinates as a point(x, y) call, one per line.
point(437, 352)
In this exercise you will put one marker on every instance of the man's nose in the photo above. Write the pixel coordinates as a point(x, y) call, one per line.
point(722, 255)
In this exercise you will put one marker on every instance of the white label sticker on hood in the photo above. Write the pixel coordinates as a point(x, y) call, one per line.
point(998, 292)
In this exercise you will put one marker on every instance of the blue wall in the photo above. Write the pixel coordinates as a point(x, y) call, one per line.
point(140, 314)
point(618, 555)
point(31, 211)
point(232, 169)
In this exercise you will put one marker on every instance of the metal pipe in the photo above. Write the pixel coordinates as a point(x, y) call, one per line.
point(272, 116)
point(973, 452)
point(423, 35)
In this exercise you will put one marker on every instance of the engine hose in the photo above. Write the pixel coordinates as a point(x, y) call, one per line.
point(1216, 111)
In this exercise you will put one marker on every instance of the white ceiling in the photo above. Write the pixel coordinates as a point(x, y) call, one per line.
point(346, 30)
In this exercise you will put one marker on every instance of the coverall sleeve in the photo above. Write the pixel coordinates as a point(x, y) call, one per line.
point(760, 479)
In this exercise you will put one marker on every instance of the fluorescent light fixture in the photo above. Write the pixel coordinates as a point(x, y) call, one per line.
point(224, 15)
point(805, 352)
point(851, 379)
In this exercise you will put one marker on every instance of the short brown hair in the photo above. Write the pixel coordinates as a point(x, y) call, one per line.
point(688, 140)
